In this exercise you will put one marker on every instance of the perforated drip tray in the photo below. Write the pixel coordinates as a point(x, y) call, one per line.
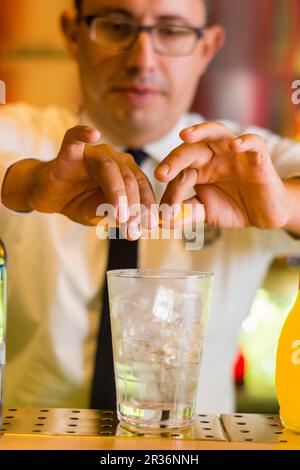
point(66, 422)
point(254, 428)
point(62, 422)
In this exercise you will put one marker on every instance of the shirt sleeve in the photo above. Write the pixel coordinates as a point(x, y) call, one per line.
point(14, 142)
point(30, 132)
point(281, 243)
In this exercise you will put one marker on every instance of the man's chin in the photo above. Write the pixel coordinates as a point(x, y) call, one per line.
point(136, 128)
point(135, 131)
point(140, 119)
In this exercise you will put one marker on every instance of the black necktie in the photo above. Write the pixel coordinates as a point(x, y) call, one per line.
point(123, 254)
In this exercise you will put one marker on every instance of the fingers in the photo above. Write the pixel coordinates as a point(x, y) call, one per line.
point(74, 142)
point(254, 146)
point(124, 185)
point(149, 213)
point(178, 188)
point(197, 210)
point(181, 212)
point(131, 189)
point(106, 172)
point(187, 155)
point(216, 131)
point(206, 131)
point(191, 212)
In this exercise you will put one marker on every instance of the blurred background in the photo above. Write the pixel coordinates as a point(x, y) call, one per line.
point(250, 82)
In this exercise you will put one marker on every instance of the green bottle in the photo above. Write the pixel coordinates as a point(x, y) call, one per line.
point(2, 321)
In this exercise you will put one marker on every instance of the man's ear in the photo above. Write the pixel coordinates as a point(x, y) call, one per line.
point(213, 41)
point(69, 26)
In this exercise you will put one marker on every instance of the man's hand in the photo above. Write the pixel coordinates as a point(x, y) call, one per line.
point(232, 176)
point(80, 179)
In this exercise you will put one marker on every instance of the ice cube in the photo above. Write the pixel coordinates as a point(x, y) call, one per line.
point(163, 309)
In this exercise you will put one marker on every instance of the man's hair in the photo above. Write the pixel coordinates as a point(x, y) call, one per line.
point(78, 4)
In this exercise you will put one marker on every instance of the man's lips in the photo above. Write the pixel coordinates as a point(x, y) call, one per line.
point(137, 95)
point(137, 90)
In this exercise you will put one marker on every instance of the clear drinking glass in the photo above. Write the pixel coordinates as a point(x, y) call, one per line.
point(158, 323)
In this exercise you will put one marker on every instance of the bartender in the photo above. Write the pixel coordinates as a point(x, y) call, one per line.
point(139, 63)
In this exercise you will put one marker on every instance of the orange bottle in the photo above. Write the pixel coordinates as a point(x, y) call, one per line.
point(288, 369)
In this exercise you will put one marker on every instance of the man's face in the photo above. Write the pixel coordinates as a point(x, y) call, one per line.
point(137, 96)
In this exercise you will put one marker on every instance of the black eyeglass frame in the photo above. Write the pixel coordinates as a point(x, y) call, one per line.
point(88, 20)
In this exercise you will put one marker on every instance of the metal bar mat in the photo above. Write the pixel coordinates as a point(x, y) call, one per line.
point(266, 429)
point(67, 422)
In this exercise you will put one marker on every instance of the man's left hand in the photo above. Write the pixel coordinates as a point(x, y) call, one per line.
point(233, 177)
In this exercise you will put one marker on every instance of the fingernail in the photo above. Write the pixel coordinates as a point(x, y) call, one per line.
point(238, 141)
point(94, 133)
point(98, 134)
point(164, 169)
point(134, 231)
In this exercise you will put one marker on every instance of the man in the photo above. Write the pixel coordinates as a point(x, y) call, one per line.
point(139, 63)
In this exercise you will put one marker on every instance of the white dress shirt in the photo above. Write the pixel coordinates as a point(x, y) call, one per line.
point(57, 270)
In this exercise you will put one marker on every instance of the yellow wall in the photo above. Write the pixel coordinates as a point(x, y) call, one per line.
point(34, 62)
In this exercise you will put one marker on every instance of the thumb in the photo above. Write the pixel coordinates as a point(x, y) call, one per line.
point(72, 148)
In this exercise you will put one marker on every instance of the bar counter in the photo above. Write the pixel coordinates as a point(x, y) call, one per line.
point(70, 429)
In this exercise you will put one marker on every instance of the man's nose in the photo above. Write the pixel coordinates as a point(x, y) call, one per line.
point(142, 55)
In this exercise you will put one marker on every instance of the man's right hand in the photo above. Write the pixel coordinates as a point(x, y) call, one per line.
point(80, 179)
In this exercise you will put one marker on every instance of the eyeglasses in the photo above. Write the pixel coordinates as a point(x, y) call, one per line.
point(120, 35)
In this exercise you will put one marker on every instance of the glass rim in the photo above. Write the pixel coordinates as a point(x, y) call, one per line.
point(160, 274)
